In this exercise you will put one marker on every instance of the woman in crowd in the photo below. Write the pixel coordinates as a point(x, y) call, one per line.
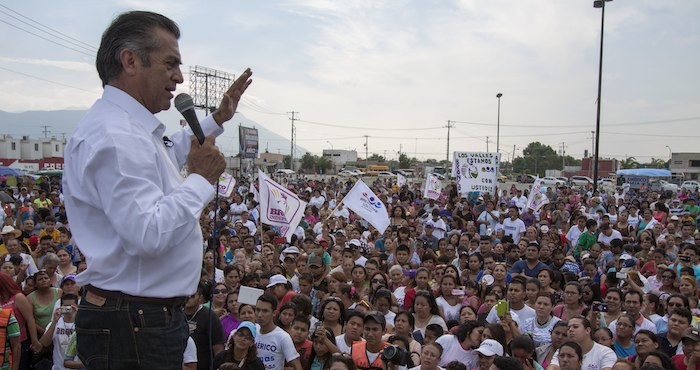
point(208, 267)
point(623, 226)
point(500, 275)
point(379, 280)
point(604, 336)
point(448, 303)
point(623, 344)
point(557, 337)
point(668, 281)
point(688, 287)
point(659, 358)
point(458, 347)
point(546, 279)
point(541, 326)
point(323, 349)
point(467, 313)
point(65, 263)
point(348, 295)
point(43, 300)
point(334, 280)
point(495, 332)
point(573, 302)
point(645, 342)
point(218, 303)
point(591, 292)
point(652, 308)
point(242, 354)
point(287, 313)
point(570, 356)
point(532, 290)
point(403, 326)
point(474, 265)
point(383, 303)
point(421, 283)
point(396, 279)
point(430, 357)
point(49, 263)
point(425, 312)
point(360, 281)
point(230, 319)
point(11, 297)
point(232, 277)
point(333, 314)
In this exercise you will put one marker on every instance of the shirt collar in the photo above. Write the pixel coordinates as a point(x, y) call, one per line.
point(136, 110)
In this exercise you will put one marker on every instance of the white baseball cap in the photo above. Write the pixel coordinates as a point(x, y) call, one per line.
point(490, 347)
point(276, 280)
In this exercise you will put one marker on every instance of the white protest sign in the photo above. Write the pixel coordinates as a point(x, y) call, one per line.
point(226, 185)
point(476, 171)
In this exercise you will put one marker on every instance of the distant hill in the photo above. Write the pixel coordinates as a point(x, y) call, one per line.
point(61, 123)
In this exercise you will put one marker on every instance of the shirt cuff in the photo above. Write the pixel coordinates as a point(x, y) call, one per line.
point(210, 127)
point(201, 187)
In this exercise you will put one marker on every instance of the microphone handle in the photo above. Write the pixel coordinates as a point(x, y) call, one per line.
point(191, 118)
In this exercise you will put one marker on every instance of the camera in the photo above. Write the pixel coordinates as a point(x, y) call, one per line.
point(600, 307)
point(396, 355)
point(66, 309)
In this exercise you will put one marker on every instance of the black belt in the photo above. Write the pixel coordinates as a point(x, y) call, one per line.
point(171, 302)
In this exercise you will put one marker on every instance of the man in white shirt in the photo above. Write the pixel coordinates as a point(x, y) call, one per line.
point(519, 311)
point(632, 303)
point(595, 356)
point(131, 212)
point(607, 233)
point(514, 226)
point(275, 346)
point(576, 231)
point(14, 249)
point(439, 226)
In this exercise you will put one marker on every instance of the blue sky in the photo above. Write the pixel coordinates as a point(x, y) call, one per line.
point(398, 70)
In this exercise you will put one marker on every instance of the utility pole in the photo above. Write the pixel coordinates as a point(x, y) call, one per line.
point(366, 153)
point(563, 153)
point(46, 131)
point(293, 139)
point(487, 144)
point(449, 125)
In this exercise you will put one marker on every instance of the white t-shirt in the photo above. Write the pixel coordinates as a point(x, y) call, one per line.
point(236, 210)
point(439, 227)
point(573, 235)
point(602, 238)
point(389, 316)
point(452, 351)
point(317, 201)
point(519, 316)
point(275, 348)
point(61, 335)
point(342, 346)
point(450, 312)
point(598, 358)
point(190, 355)
point(514, 228)
point(540, 334)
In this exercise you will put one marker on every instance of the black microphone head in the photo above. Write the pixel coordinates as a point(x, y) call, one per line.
point(183, 102)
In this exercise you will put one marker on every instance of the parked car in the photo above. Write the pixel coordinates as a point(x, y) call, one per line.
point(347, 173)
point(564, 179)
point(502, 178)
point(439, 176)
point(385, 174)
point(605, 183)
point(691, 185)
point(284, 172)
point(552, 181)
point(525, 179)
point(663, 185)
point(581, 180)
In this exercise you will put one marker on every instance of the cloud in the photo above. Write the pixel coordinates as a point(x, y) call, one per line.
point(61, 64)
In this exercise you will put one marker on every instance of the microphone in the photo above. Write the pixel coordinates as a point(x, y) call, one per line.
point(185, 105)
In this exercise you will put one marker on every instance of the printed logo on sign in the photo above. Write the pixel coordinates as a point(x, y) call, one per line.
point(282, 206)
point(372, 200)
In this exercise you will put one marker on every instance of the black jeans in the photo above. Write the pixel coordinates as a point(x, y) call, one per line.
point(127, 335)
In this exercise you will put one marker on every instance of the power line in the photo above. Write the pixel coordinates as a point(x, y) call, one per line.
point(45, 80)
point(53, 32)
point(620, 124)
point(44, 38)
point(370, 128)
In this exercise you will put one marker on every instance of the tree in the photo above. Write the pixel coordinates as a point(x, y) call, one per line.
point(431, 161)
point(287, 161)
point(324, 164)
point(308, 161)
point(537, 158)
point(377, 158)
point(656, 163)
point(405, 162)
point(630, 162)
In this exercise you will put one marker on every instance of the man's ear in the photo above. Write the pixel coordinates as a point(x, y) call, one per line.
point(130, 61)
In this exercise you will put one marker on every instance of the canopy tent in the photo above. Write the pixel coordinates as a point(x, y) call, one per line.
point(649, 172)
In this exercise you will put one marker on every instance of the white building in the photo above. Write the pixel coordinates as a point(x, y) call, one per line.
point(687, 164)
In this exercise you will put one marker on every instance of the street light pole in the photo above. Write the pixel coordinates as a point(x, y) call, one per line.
point(498, 124)
point(599, 4)
point(329, 143)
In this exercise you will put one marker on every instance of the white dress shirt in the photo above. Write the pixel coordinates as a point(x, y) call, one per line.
point(134, 216)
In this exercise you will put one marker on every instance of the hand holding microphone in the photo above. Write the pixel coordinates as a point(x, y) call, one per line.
point(204, 159)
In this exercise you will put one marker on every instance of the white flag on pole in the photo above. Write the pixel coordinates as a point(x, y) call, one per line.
point(226, 185)
point(433, 187)
point(362, 200)
point(279, 207)
point(400, 180)
point(536, 200)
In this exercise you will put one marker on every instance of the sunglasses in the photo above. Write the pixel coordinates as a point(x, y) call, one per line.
point(220, 291)
point(378, 281)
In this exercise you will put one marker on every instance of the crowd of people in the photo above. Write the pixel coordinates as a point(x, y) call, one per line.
point(589, 281)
